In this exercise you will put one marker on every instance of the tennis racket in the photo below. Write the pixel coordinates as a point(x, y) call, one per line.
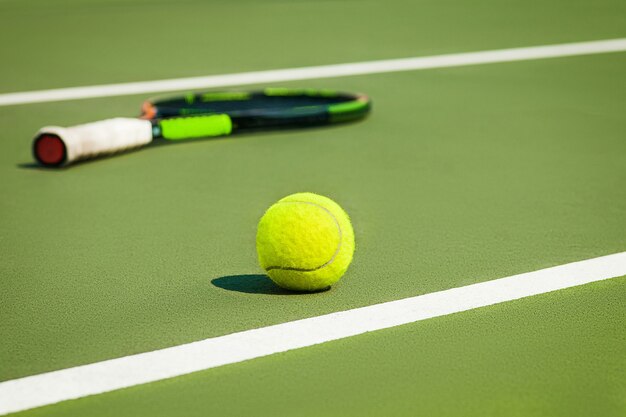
point(198, 115)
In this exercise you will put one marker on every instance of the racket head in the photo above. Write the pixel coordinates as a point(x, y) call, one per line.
point(271, 108)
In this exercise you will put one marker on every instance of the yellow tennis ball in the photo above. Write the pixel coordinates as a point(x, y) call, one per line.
point(305, 242)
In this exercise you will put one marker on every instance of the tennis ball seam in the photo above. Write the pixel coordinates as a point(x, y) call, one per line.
point(332, 258)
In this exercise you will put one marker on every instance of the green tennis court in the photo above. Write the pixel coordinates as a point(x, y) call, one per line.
point(462, 174)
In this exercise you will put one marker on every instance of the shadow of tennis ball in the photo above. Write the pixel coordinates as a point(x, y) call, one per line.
point(253, 284)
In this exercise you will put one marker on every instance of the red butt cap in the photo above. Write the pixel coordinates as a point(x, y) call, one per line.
point(49, 149)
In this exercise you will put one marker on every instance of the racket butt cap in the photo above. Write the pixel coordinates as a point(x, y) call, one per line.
point(49, 150)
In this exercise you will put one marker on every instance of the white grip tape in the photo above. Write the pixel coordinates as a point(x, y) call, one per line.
point(104, 137)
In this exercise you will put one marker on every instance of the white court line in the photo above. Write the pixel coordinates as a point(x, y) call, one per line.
point(52, 387)
point(324, 71)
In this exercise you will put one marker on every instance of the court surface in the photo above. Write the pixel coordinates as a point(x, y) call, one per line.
point(461, 175)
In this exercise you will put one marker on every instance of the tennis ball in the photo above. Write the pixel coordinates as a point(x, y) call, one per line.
point(305, 242)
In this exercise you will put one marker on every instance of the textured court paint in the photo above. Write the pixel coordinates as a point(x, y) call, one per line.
point(329, 71)
point(39, 390)
point(292, 34)
point(478, 171)
point(496, 170)
point(483, 362)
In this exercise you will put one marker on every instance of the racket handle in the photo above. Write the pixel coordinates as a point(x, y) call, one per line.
point(56, 146)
